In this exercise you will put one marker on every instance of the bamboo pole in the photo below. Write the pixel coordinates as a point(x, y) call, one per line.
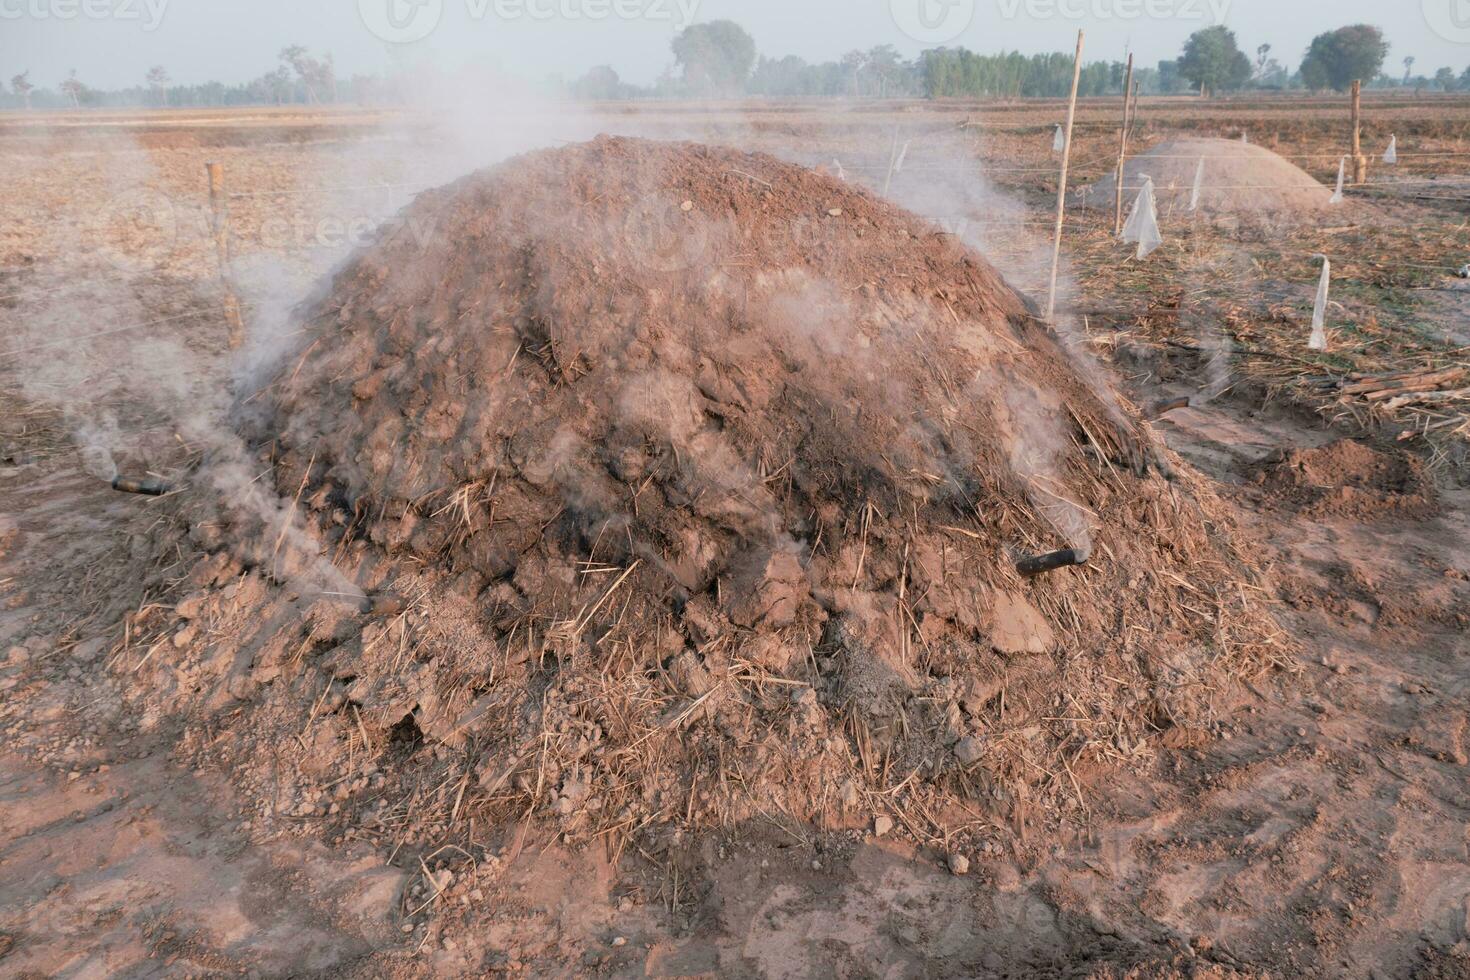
point(1056, 249)
point(1360, 162)
point(220, 209)
point(1123, 149)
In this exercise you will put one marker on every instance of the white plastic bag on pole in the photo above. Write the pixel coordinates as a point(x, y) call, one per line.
point(1199, 185)
point(1341, 175)
point(1391, 155)
point(1143, 221)
point(1059, 140)
point(1245, 137)
point(841, 174)
point(1319, 310)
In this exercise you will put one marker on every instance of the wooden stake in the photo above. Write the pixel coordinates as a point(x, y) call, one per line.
point(220, 207)
point(1123, 149)
point(1056, 250)
point(892, 161)
point(1360, 162)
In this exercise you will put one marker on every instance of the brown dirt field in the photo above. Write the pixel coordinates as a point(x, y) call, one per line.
point(1314, 826)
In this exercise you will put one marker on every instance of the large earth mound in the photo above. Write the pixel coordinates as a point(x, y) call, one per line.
point(690, 484)
point(1239, 178)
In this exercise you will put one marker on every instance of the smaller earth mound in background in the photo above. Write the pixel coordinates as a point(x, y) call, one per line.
point(1239, 178)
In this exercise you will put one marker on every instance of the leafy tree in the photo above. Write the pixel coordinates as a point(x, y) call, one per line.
point(1212, 60)
point(1268, 72)
point(886, 67)
point(780, 76)
point(791, 76)
point(157, 80)
point(957, 72)
point(73, 89)
point(1171, 81)
point(22, 85)
point(600, 84)
point(716, 58)
point(1446, 80)
point(853, 64)
point(317, 75)
point(1409, 68)
point(1338, 57)
point(273, 86)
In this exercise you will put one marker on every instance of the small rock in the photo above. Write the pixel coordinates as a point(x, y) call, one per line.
point(687, 206)
point(834, 212)
point(959, 864)
point(882, 825)
point(969, 750)
point(190, 607)
point(620, 941)
point(691, 675)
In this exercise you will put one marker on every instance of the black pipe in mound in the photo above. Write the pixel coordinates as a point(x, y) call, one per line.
point(1160, 409)
point(1041, 564)
point(148, 488)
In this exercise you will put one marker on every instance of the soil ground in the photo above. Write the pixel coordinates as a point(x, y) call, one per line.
point(1321, 832)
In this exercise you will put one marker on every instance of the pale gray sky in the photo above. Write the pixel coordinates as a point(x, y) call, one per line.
point(113, 42)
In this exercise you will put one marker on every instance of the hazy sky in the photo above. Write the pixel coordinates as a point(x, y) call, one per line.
point(113, 42)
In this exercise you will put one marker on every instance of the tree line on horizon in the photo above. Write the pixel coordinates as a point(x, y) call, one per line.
point(719, 59)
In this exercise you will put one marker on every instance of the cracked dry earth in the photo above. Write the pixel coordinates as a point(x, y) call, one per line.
point(1324, 832)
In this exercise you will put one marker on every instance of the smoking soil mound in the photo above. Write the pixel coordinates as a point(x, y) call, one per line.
point(690, 484)
point(1239, 178)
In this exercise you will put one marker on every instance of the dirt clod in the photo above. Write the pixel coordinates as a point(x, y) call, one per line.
point(1348, 479)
